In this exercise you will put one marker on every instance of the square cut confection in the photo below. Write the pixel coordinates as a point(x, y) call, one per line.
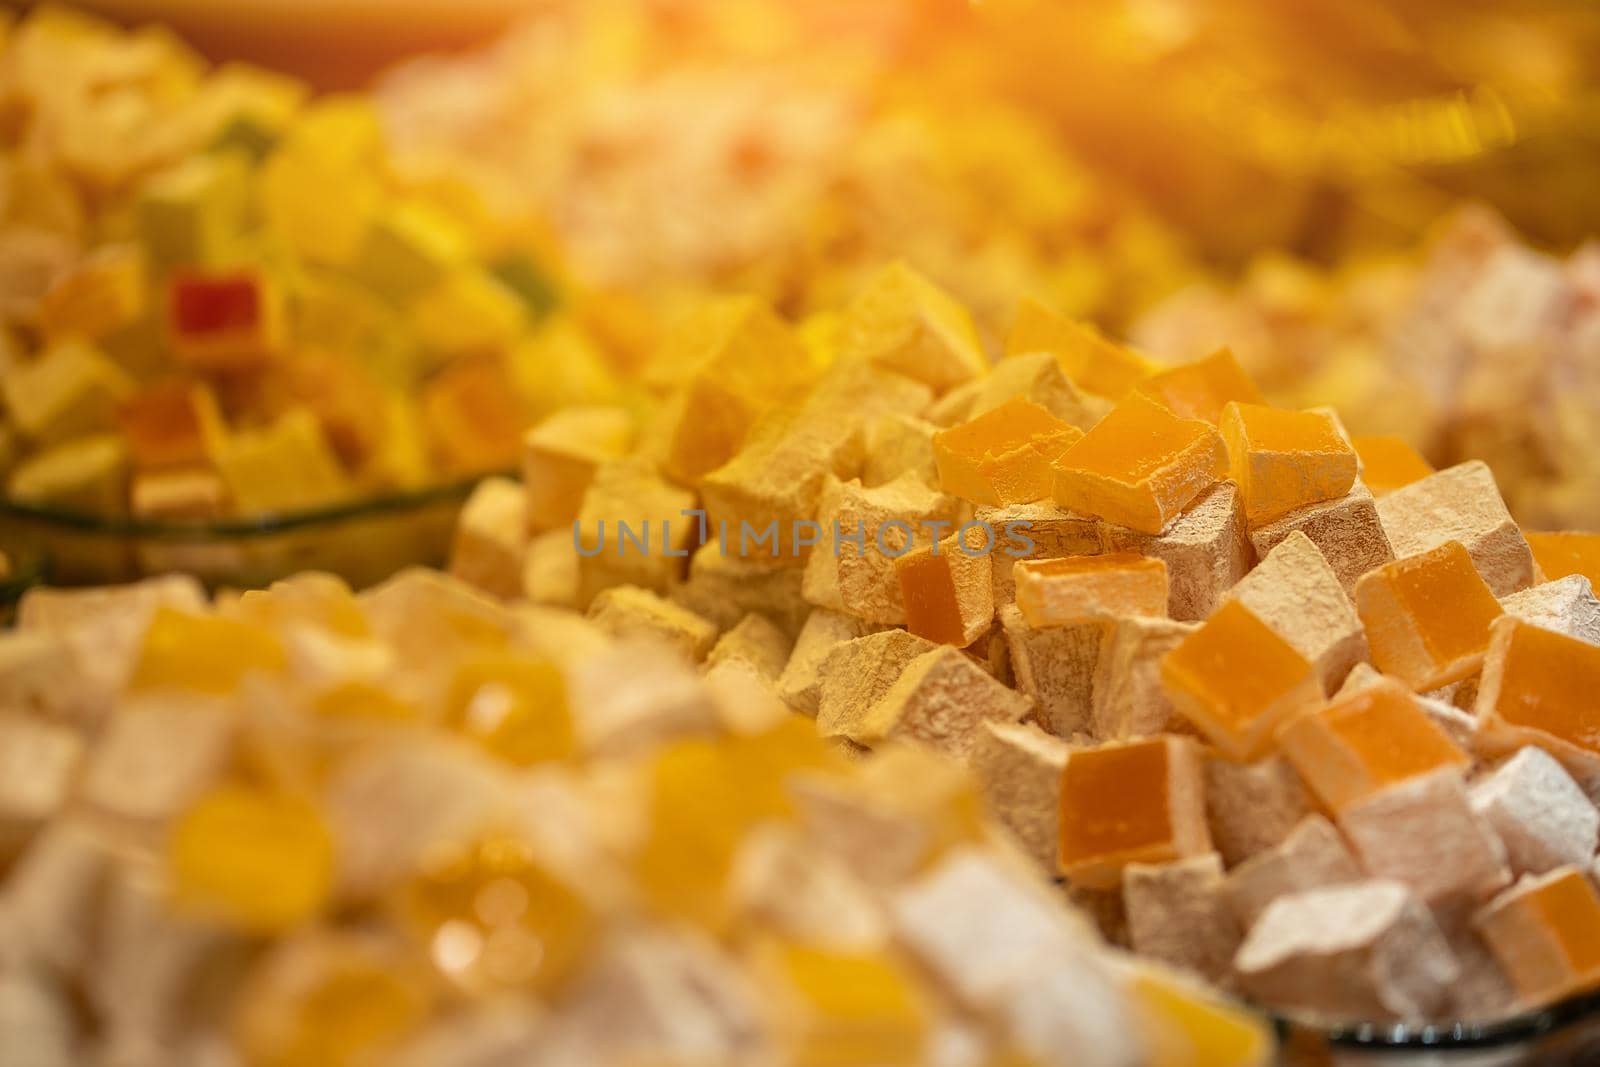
point(1140, 466)
point(1545, 932)
point(1003, 456)
point(946, 591)
point(224, 321)
point(1460, 503)
point(1365, 742)
point(1388, 462)
point(1236, 679)
point(1201, 389)
point(904, 323)
point(1347, 532)
point(1057, 592)
point(1566, 553)
point(1090, 361)
point(560, 456)
point(170, 424)
point(1284, 460)
point(1138, 802)
point(1427, 616)
point(1296, 592)
point(1538, 688)
point(71, 388)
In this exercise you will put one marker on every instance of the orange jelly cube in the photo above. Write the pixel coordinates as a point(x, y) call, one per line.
point(224, 321)
point(1200, 390)
point(1140, 466)
point(1056, 592)
point(1565, 553)
point(1284, 460)
point(1003, 456)
point(1365, 742)
point(1236, 679)
point(1545, 932)
point(1092, 362)
point(1538, 687)
point(474, 417)
point(1388, 462)
point(1427, 616)
point(203, 652)
point(1135, 802)
point(171, 424)
point(947, 592)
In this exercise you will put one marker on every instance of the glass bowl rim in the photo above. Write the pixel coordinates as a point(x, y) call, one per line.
point(1418, 1037)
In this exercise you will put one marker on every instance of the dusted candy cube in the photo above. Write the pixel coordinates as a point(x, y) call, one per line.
point(101, 294)
point(69, 389)
point(904, 323)
point(848, 1010)
point(1140, 466)
point(1236, 679)
point(1003, 456)
point(1283, 460)
point(1187, 1024)
point(1545, 932)
point(947, 592)
point(1388, 462)
point(284, 466)
point(1538, 688)
point(1089, 360)
point(1365, 742)
point(256, 860)
point(1056, 592)
point(1138, 802)
point(560, 456)
point(171, 424)
point(527, 928)
point(1567, 553)
point(1427, 616)
point(1460, 503)
point(206, 653)
point(224, 321)
point(1200, 390)
point(516, 707)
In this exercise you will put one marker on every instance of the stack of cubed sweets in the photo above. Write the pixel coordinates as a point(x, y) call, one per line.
point(1476, 346)
point(788, 150)
point(1290, 711)
point(419, 827)
point(220, 298)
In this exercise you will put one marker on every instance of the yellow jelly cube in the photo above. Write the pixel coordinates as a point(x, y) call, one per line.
point(1283, 460)
point(1236, 680)
point(1135, 802)
point(1186, 1024)
point(947, 592)
point(1140, 466)
point(193, 214)
point(294, 201)
point(494, 917)
point(284, 466)
point(1538, 687)
point(101, 294)
point(848, 1009)
point(362, 702)
point(69, 389)
point(88, 475)
point(903, 322)
point(1091, 361)
point(1545, 932)
point(560, 456)
point(1056, 592)
point(1200, 390)
point(1365, 742)
point(1427, 616)
point(1004, 455)
point(1566, 553)
point(474, 418)
point(203, 652)
point(308, 598)
point(259, 861)
point(407, 250)
point(468, 311)
point(514, 707)
point(1388, 462)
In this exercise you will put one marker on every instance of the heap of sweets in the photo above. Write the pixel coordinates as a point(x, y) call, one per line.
point(300, 827)
point(1294, 713)
point(781, 149)
point(218, 297)
point(1476, 346)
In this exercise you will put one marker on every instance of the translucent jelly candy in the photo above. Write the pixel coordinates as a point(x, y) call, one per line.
point(515, 707)
point(1388, 462)
point(193, 214)
point(1569, 552)
point(1200, 390)
point(103, 293)
point(258, 860)
point(70, 389)
point(203, 652)
point(1056, 592)
point(1545, 932)
point(171, 424)
point(87, 474)
point(1236, 679)
point(947, 594)
point(222, 321)
point(494, 917)
point(1088, 359)
point(1188, 1025)
point(1538, 687)
point(1138, 802)
point(848, 1010)
point(284, 466)
point(1284, 460)
point(1139, 466)
point(474, 416)
point(1004, 455)
point(407, 250)
point(1365, 742)
point(1427, 616)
